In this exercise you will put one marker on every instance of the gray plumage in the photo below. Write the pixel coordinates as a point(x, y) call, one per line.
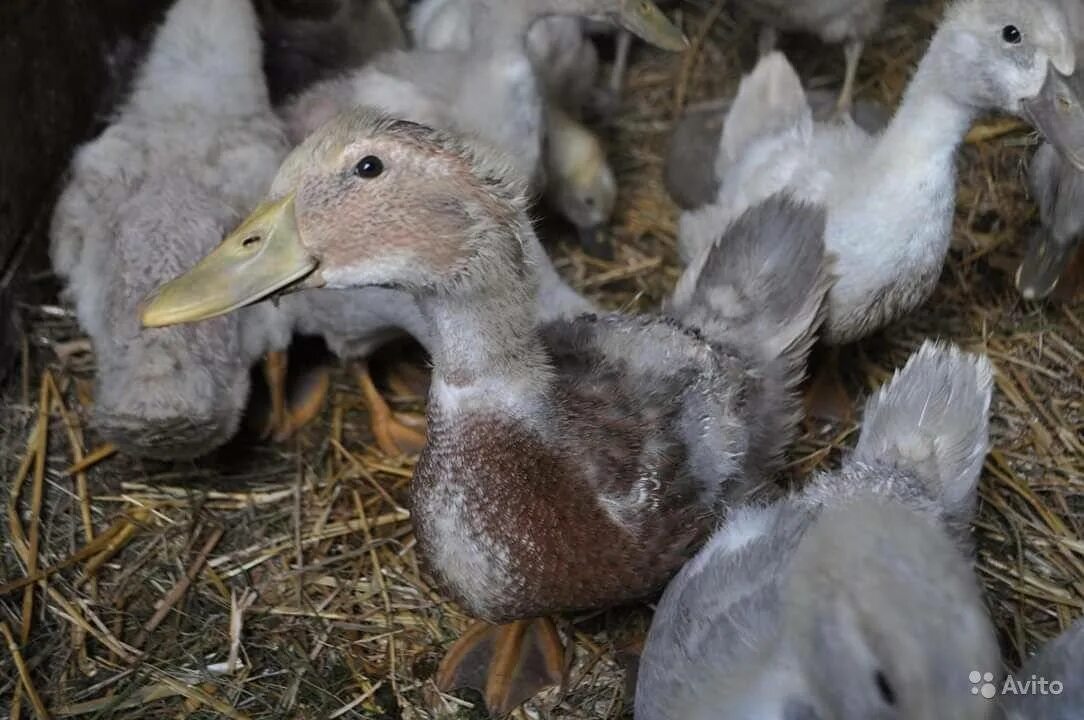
point(764, 280)
point(190, 152)
point(852, 599)
point(1061, 660)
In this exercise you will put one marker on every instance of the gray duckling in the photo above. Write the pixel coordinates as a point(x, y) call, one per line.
point(189, 153)
point(570, 465)
point(1061, 661)
point(854, 598)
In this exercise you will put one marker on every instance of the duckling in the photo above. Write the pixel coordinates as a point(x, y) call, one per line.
point(306, 41)
point(853, 599)
point(890, 198)
point(190, 151)
point(579, 183)
point(628, 436)
point(1061, 661)
point(689, 169)
point(1058, 188)
point(850, 22)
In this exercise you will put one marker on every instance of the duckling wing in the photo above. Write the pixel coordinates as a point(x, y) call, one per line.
point(660, 412)
point(703, 655)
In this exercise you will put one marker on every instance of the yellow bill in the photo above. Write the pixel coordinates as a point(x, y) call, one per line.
point(261, 256)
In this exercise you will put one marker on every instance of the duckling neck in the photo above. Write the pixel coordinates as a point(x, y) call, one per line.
point(930, 123)
point(484, 337)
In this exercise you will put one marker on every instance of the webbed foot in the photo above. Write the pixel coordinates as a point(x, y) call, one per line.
point(393, 433)
point(508, 664)
point(293, 405)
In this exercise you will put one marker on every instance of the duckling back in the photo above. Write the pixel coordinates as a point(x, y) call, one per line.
point(191, 151)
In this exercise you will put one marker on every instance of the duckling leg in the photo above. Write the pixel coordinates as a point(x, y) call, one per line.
point(274, 372)
point(852, 52)
point(307, 398)
point(508, 664)
point(826, 398)
point(290, 411)
point(393, 437)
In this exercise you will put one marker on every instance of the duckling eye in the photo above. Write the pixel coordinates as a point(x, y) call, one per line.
point(369, 167)
point(888, 694)
point(1011, 34)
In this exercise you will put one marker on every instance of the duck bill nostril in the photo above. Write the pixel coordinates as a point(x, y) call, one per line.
point(1056, 113)
point(263, 256)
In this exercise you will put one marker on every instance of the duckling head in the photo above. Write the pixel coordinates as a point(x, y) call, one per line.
point(581, 182)
point(366, 201)
point(1015, 56)
point(884, 619)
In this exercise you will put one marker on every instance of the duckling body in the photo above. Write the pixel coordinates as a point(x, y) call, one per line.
point(190, 152)
point(853, 599)
point(890, 198)
point(1061, 661)
point(689, 171)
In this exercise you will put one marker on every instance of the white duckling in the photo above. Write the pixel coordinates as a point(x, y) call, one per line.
point(850, 22)
point(855, 598)
point(890, 197)
point(189, 153)
point(1061, 661)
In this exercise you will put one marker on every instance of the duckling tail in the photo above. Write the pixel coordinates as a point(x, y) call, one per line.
point(932, 420)
point(760, 291)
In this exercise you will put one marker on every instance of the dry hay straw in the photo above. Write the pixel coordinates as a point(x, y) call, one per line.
point(281, 581)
